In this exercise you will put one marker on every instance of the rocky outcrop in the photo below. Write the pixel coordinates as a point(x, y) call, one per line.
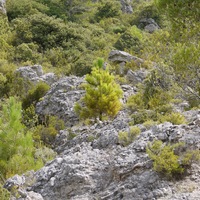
point(61, 98)
point(2, 6)
point(148, 24)
point(138, 76)
point(92, 164)
point(126, 6)
point(35, 74)
point(63, 95)
point(121, 57)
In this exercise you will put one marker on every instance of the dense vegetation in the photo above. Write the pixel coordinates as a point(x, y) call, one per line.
point(65, 37)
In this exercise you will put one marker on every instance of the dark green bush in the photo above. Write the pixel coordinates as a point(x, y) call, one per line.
point(48, 129)
point(109, 9)
point(34, 95)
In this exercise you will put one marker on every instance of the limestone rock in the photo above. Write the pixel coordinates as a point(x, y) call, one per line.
point(99, 168)
point(2, 6)
point(61, 98)
point(35, 74)
point(123, 57)
point(126, 6)
point(148, 24)
point(135, 77)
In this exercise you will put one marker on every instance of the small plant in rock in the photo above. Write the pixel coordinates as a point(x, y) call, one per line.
point(126, 138)
point(174, 118)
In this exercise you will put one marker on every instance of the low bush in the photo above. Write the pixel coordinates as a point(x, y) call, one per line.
point(169, 160)
point(126, 138)
point(4, 194)
point(174, 118)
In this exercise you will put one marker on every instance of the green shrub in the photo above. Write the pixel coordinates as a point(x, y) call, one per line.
point(171, 160)
point(4, 194)
point(135, 102)
point(164, 159)
point(34, 94)
point(126, 138)
point(109, 9)
point(174, 118)
point(149, 123)
point(29, 117)
point(47, 131)
point(130, 40)
point(142, 116)
point(102, 98)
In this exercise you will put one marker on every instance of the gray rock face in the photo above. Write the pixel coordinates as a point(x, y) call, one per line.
point(148, 24)
point(35, 74)
point(99, 168)
point(123, 57)
point(2, 6)
point(136, 77)
point(61, 98)
point(19, 182)
point(126, 6)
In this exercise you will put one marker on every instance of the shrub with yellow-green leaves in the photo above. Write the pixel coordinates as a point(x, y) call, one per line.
point(168, 161)
point(102, 98)
point(126, 138)
point(4, 194)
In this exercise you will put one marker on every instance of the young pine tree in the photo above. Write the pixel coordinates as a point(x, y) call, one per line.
point(16, 146)
point(102, 96)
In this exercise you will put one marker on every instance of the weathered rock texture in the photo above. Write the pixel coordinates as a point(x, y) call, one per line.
point(35, 74)
point(61, 98)
point(2, 6)
point(93, 165)
point(148, 24)
point(126, 6)
point(123, 57)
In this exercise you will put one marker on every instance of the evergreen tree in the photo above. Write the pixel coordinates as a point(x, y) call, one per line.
point(102, 94)
point(16, 146)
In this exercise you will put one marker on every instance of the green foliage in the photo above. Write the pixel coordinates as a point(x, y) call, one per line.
point(44, 153)
point(169, 163)
point(164, 159)
point(34, 95)
point(174, 118)
point(16, 152)
point(102, 94)
point(142, 116)
point(29, 117)
point(46, 132)
point(4, 194)
point(130, 40)
point(154, 97)
point(107, 10)
point(126, 138)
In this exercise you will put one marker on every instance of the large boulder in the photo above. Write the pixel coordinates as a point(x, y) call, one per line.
point(119, 57)
point(35, 74)
point(61, 98)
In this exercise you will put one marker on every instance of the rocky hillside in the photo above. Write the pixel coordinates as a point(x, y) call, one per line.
point(145, 148)
point(93, 163)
